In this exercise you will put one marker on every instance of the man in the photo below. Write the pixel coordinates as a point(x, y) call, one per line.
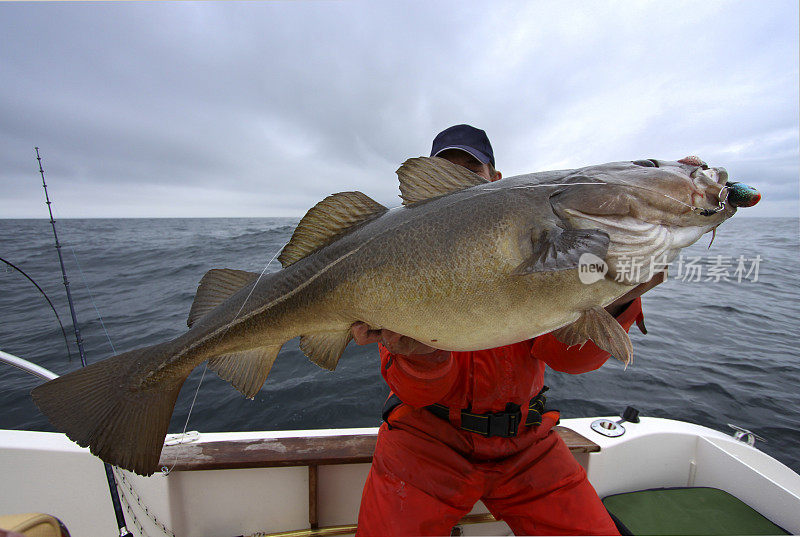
point(439, 452)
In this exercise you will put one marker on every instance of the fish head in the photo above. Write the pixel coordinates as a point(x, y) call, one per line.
point(649, 208)
point(684, 193)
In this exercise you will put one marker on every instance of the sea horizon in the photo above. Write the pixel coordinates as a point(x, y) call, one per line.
point(716, 352)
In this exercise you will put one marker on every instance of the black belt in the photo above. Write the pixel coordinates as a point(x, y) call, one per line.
point(504, 424)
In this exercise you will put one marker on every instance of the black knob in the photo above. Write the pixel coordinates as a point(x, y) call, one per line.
point(631, 415)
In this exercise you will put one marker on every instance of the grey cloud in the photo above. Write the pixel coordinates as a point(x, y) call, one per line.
point(280, 104)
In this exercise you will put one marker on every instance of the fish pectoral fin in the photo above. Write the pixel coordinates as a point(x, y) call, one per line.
point(246, 370)
point(603, 329)
point(216, 286)
point(561, 249)
point(327, 221)
point(424, 178)
point(325, 348)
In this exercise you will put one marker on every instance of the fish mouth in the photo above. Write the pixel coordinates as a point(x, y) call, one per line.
point(708, 188)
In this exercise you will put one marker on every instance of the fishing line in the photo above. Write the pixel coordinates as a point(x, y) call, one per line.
point(63, 332)
point(114, 350)
point(164, 470)
point(705, 212)
point(91, 297)
point(257, 280)
point(547, 184)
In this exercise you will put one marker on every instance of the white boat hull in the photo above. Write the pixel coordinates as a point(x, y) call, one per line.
point(46, 472)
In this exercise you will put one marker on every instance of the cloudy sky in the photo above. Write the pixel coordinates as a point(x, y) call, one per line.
point(262, 109)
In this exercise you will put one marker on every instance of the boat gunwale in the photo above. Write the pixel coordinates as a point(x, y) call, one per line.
point(270, 452)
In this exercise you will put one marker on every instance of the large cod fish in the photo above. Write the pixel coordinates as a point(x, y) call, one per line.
point(465, 264)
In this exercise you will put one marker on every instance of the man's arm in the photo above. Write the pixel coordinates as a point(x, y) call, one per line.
point(420, 375)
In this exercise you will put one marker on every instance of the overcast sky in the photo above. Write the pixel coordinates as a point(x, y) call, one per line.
point(262, 109)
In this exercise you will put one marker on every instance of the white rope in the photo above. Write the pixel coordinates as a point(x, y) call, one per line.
point(118, 472)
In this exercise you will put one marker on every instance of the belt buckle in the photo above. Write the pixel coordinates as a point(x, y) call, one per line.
point(505, 424)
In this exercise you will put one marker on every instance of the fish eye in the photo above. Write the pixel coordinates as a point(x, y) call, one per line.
point(647, 163)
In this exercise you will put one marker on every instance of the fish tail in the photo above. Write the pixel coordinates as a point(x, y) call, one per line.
point(102, 407)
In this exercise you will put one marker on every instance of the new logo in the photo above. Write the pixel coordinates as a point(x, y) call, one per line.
point(591, 268)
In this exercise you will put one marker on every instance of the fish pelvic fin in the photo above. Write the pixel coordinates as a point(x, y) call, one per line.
point(328, 220)
point(603, 329)
point(246, 370)
point(325, 348)
point(216, 286)
point(99, 407)
point(425, 178)
point(561, 249)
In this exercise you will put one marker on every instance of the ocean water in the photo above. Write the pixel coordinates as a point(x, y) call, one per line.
point(721, 348)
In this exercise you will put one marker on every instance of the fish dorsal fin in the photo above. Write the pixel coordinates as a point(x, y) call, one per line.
point(246, 370)
point(325, 349)
point(603, 329)
point(215, 288)
point(425, 178)
point(328, 220)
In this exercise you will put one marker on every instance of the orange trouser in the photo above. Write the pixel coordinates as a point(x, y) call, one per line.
point(426, 474)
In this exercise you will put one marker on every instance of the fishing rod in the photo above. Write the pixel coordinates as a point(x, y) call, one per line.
point(78, 338)
point(112, 482)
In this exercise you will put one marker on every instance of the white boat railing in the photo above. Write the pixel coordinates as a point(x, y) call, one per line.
point(28, 367)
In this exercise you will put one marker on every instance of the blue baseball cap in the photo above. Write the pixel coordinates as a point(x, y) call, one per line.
point(466, 138)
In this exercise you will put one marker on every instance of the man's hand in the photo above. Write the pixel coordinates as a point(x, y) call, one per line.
point(616, 307)
point(394, 342)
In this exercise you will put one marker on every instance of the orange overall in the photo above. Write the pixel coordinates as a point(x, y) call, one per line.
point(427, 472)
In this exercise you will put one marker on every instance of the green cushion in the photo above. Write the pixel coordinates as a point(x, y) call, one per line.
point(688, 511)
